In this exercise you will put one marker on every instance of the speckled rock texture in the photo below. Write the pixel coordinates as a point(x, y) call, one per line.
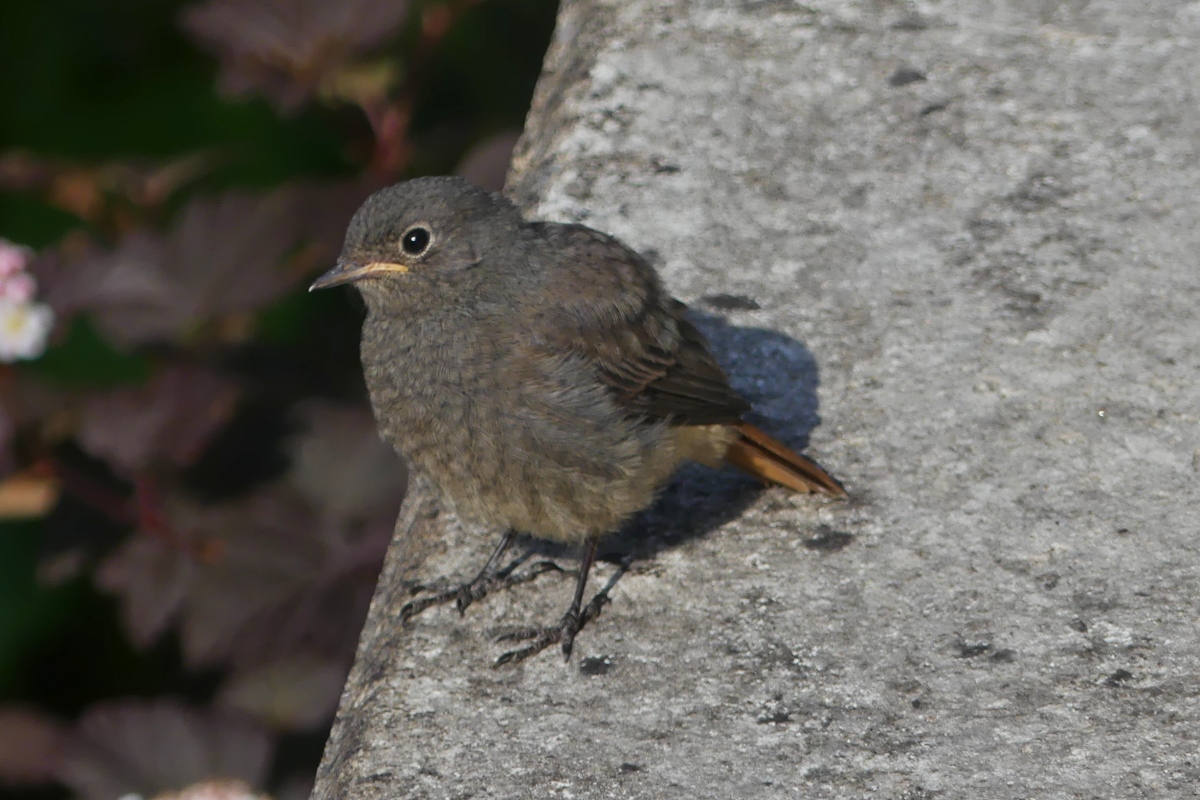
point(951, 248)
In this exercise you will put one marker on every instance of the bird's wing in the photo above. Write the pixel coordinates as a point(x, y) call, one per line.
point(610, 312)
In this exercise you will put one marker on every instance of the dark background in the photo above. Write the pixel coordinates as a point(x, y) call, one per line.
point(97, 100)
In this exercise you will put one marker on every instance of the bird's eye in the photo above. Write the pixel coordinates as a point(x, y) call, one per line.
point(415, 240)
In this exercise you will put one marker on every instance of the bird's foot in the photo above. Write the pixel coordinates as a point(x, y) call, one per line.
point(563, 633)
point(477, 589)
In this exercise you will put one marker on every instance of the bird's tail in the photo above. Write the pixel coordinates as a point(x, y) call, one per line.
point(774, 462)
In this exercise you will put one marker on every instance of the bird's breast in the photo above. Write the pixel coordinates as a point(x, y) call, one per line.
point(433, 386)
point(545, 451)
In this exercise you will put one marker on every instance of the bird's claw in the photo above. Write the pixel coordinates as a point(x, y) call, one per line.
point(562, 634)
point(414, 607)
point(465, 594)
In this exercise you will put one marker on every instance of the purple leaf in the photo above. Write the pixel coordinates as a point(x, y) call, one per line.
point(226, 256)
point(286, 570)
point(286, 49)
point(30, 746)
point(146, 748)
point(223, 257)
point(341, 465)
point(288, 580)
point(152, 579)
point(80, 278)
point(167, 421)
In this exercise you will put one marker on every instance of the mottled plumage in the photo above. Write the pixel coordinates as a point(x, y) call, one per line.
point(537, 372)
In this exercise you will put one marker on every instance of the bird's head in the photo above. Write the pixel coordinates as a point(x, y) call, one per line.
point(420, 231)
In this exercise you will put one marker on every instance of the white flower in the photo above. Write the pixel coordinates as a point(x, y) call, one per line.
point(24, 329)
point(214, 789)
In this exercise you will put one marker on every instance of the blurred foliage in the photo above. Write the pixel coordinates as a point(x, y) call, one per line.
point(193, 501)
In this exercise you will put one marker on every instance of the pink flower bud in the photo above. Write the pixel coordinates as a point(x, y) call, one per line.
point(17, 288)
point(13, 258)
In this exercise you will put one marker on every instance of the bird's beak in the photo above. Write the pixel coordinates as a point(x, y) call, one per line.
point(348, 271)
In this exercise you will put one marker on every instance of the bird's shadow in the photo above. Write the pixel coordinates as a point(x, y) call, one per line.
point(779, 376)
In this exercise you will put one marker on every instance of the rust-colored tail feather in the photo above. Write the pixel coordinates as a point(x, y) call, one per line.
point(773, 462)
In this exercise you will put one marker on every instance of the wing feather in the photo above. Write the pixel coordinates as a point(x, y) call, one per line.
point(612, 313)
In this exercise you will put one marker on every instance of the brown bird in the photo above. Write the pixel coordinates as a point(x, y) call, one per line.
point(538, 374)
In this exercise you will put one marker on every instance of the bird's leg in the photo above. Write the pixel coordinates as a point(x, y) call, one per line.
point(572, 622)
point(488, 580)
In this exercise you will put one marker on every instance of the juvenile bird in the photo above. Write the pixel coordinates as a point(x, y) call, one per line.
point(538, 374)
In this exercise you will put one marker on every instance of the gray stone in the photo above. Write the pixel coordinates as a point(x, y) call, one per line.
point(973, 295)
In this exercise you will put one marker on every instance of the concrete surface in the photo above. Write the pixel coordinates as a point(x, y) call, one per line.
point(962, 237)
